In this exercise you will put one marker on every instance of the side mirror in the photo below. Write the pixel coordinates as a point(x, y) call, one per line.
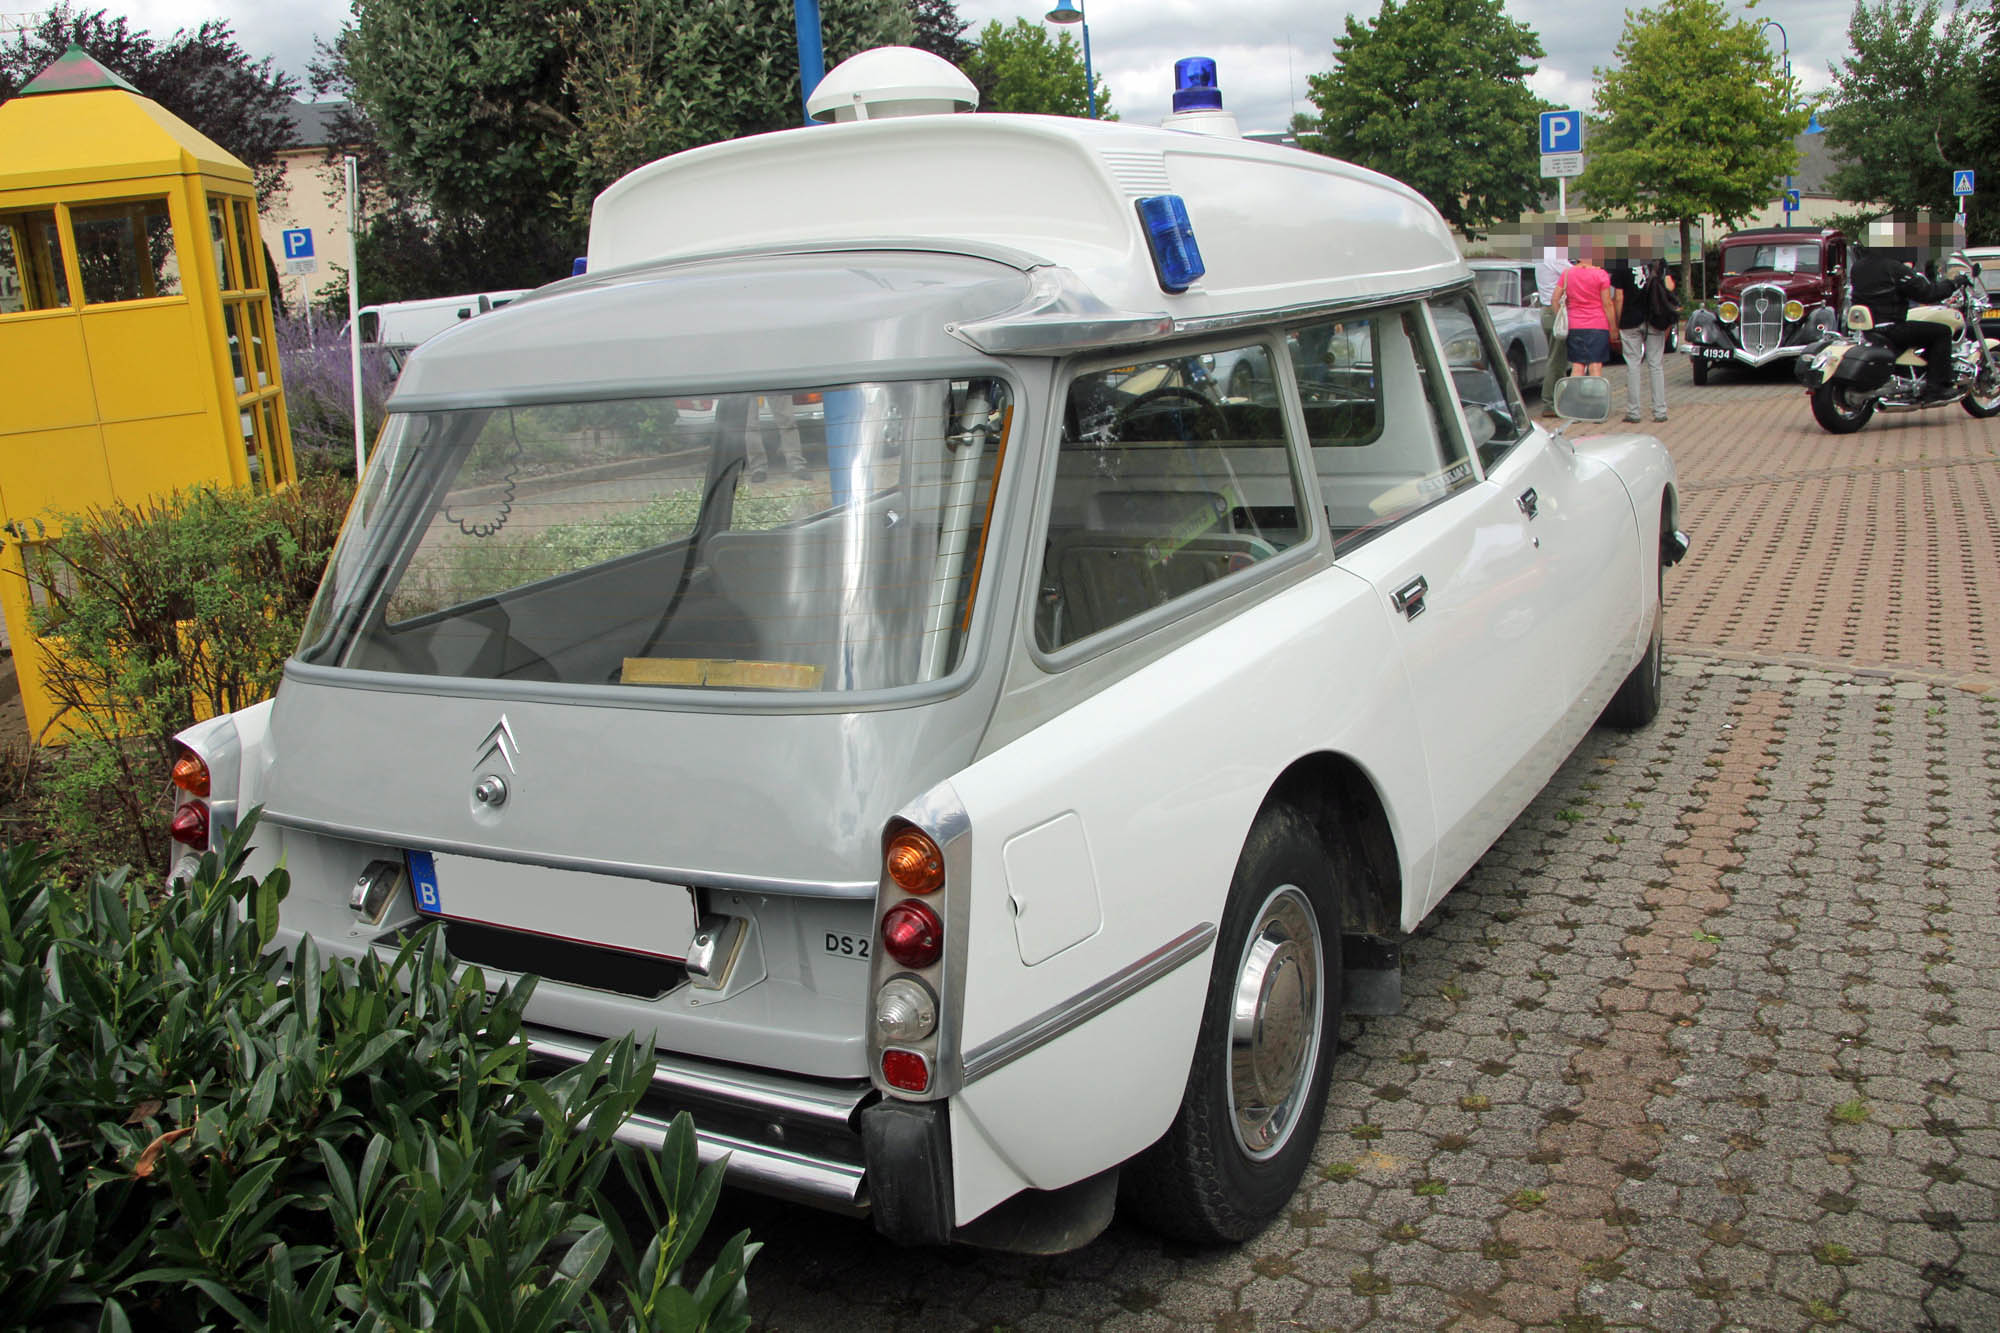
point(1583, 398)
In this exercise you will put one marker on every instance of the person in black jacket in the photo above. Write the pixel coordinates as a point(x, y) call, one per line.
point(1889, 287)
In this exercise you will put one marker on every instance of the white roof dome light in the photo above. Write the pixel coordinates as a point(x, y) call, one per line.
point(891, 81)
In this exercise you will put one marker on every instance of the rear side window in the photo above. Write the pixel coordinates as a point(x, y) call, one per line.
point(1164, 486)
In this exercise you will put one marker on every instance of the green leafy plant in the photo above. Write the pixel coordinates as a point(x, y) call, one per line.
point(198, 1132)
point(163, 612)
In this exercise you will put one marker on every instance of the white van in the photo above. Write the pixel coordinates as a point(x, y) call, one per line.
point(399, 326)
point(997, 820)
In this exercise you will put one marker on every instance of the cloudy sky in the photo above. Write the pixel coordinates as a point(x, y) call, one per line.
point(1264, 49)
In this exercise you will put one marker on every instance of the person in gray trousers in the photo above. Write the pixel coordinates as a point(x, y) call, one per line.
point(1645, 339)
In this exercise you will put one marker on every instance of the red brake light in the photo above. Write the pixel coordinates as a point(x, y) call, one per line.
point(190, 824)
point(906, 1070)
point(191, 772)
point(912, 934)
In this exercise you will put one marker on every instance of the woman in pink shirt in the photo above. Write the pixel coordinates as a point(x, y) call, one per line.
point(1585, 291)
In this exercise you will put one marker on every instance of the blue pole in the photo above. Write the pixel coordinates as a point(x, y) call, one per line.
point(812, 55)
point(1089, 80)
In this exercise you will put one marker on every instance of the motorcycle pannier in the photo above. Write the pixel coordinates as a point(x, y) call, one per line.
point(1866, 367)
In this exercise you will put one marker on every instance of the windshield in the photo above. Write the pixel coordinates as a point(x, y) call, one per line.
point(1783, 258)
point(1498, 286)
point(821, 540)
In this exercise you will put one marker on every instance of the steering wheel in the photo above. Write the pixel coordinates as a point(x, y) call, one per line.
point(1208, 422)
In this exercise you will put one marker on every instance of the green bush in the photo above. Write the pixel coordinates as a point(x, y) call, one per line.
point(197, 1133)
point(168, 611)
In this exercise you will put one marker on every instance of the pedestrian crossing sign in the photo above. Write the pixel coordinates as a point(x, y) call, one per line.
point(1961, 181)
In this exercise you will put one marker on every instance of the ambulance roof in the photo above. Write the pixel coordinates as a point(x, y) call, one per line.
point(1278, 229)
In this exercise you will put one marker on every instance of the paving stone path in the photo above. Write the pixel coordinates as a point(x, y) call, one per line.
point(1708, 1040)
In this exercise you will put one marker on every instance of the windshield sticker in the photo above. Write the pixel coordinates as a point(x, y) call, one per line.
point(1787, 260)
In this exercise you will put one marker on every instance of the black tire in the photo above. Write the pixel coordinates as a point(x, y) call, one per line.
point(1222, 1171)
point(1637, 702)
point(1698, 368)
point(1982, 396)
point(1836, 412)
point(1517, 362)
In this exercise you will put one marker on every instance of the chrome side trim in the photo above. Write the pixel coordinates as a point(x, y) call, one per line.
point(1080, 1008)
point(1060, 314)
point(743, 1089)
point(835, 1186)
point(708, 879)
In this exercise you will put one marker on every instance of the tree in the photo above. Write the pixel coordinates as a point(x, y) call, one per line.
point(1695, 120)
point(1903, 103)
point(1021, 69)
point(1434, 93)
point(495, 123)
point(201, 75)
point(939, 30)
point(650, 77)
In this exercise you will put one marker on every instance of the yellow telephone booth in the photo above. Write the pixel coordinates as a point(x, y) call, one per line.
point(136, 348)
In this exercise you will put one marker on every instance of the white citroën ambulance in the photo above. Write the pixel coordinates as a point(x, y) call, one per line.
point(847, 641)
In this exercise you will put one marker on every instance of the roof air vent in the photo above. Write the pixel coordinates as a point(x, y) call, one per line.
point(891, 81)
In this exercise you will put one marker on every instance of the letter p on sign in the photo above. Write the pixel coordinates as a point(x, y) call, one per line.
point(1562, 131)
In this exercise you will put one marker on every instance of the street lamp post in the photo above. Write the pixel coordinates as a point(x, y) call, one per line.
point(1785, 47)
point(1068, 12)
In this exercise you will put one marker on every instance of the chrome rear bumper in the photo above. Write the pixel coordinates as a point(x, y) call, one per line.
point(792, 1138)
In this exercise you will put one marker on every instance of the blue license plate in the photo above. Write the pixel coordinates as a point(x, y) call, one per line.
point(424, 882)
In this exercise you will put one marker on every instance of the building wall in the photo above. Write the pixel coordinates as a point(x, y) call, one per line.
point(314, 197)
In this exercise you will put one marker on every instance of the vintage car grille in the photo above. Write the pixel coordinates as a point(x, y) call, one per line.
point(1761, 326)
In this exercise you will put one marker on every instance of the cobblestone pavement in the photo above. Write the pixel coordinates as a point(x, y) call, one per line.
point(1707, 1040)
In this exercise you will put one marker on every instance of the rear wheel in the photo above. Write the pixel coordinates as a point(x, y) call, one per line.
point(1836, 408)
point(1517, 361)
point(1256, 1092)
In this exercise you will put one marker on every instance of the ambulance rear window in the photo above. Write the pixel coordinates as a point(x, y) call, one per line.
point(824, 539)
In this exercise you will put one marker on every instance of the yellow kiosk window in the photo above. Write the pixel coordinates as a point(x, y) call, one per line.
point(125, 251)
point(31, 262)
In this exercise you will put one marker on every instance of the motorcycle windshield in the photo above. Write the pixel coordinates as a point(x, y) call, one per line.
point(773, 541)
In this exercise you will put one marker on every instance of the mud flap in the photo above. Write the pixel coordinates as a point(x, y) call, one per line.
point(1371, 975)
point(907, 1147)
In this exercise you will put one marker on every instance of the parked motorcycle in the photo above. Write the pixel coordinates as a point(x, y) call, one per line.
point(1850, 377)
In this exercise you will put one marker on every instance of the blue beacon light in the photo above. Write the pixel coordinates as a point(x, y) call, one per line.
point(1170, 237)
point(1195, 88)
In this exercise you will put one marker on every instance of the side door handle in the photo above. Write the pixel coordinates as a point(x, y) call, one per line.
point(1529, 502)
point(1409, 599)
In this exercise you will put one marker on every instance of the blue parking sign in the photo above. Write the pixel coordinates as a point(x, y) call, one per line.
point(298, 243)
point(1961, 181)
point(1562, 131)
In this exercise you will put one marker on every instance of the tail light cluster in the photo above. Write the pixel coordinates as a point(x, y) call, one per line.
point(191, 778)
point(911, 934)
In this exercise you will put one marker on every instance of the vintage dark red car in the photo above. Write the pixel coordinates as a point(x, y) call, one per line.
point(1781, 289)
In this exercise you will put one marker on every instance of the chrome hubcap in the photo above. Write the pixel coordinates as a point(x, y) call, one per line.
point(1275, 1022)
